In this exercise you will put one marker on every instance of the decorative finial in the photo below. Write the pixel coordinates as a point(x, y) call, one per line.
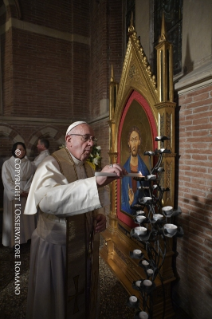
point(163, 29)
point(112, 76)
point(131, 27)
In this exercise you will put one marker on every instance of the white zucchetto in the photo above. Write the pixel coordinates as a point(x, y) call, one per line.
point(73, 125)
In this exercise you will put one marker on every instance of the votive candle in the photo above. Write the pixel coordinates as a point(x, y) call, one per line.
point(137, 252)
point(143, 315)
point(133, 300)
point(149, 272)
point(147, 283)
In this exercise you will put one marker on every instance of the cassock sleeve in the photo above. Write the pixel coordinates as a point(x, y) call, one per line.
point(53, 194)
point(72, 199)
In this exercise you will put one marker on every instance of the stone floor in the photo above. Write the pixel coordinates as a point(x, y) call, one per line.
point(113, 297)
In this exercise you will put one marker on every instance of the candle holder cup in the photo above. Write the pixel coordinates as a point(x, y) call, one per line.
point(140, 237)
point(136, 254)
point(141, 315)
point(133, 302)
point(140, 220)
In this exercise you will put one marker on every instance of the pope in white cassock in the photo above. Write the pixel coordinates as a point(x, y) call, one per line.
point(64, 185)
point(17, 173)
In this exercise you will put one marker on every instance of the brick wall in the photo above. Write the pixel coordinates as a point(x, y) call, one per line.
point(194, 262)
point(67, 16)
point(106, 49)
point(46, 76)
point(7, 73)
point(42, 76)
point(99, 74)
point(49, 81)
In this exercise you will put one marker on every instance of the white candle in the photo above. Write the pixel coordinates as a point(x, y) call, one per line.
point(145, 263)
point(143, 315)
point(140, 219)
point(140, 230)
point(140, 212)
point(137, 251)
point(133, 299)
point(149, 272)
point(168, 210)
point(138, 283)
point(147, 283)
point(105, 174)
point(146, 199)
point(114, 174)
point(157, 216)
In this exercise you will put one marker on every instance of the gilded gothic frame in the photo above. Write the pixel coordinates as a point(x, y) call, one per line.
point(138, 84)
point(156, 99)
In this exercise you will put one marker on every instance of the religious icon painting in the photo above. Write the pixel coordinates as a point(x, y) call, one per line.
point(135, 137)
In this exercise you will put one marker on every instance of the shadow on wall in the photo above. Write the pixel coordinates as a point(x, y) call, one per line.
point(193, 292)
point(188, 63)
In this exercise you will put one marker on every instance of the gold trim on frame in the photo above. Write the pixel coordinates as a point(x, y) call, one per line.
point(136, 76)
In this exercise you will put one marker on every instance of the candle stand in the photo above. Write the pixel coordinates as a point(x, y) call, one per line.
point(154, 227)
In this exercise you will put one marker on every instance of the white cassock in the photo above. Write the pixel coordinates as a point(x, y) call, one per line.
point(40, 157)
point(10, 173)
point(54, 199)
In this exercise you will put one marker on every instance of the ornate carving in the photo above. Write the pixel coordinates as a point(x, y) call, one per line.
point(144, 59)
point(132, 71)
point(162, 124)
point(169, 172)
point(169, 129)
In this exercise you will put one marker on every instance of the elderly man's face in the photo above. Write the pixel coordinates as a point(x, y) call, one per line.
point(134, 143)
point(77, 144)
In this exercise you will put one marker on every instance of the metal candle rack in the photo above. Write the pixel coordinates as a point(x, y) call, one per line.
point(153, 229)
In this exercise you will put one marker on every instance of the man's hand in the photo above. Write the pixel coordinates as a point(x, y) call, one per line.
point(100, 223)
point(113, 168)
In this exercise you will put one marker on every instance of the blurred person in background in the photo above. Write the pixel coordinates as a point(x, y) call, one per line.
point(17, 174)
point(43, 150)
